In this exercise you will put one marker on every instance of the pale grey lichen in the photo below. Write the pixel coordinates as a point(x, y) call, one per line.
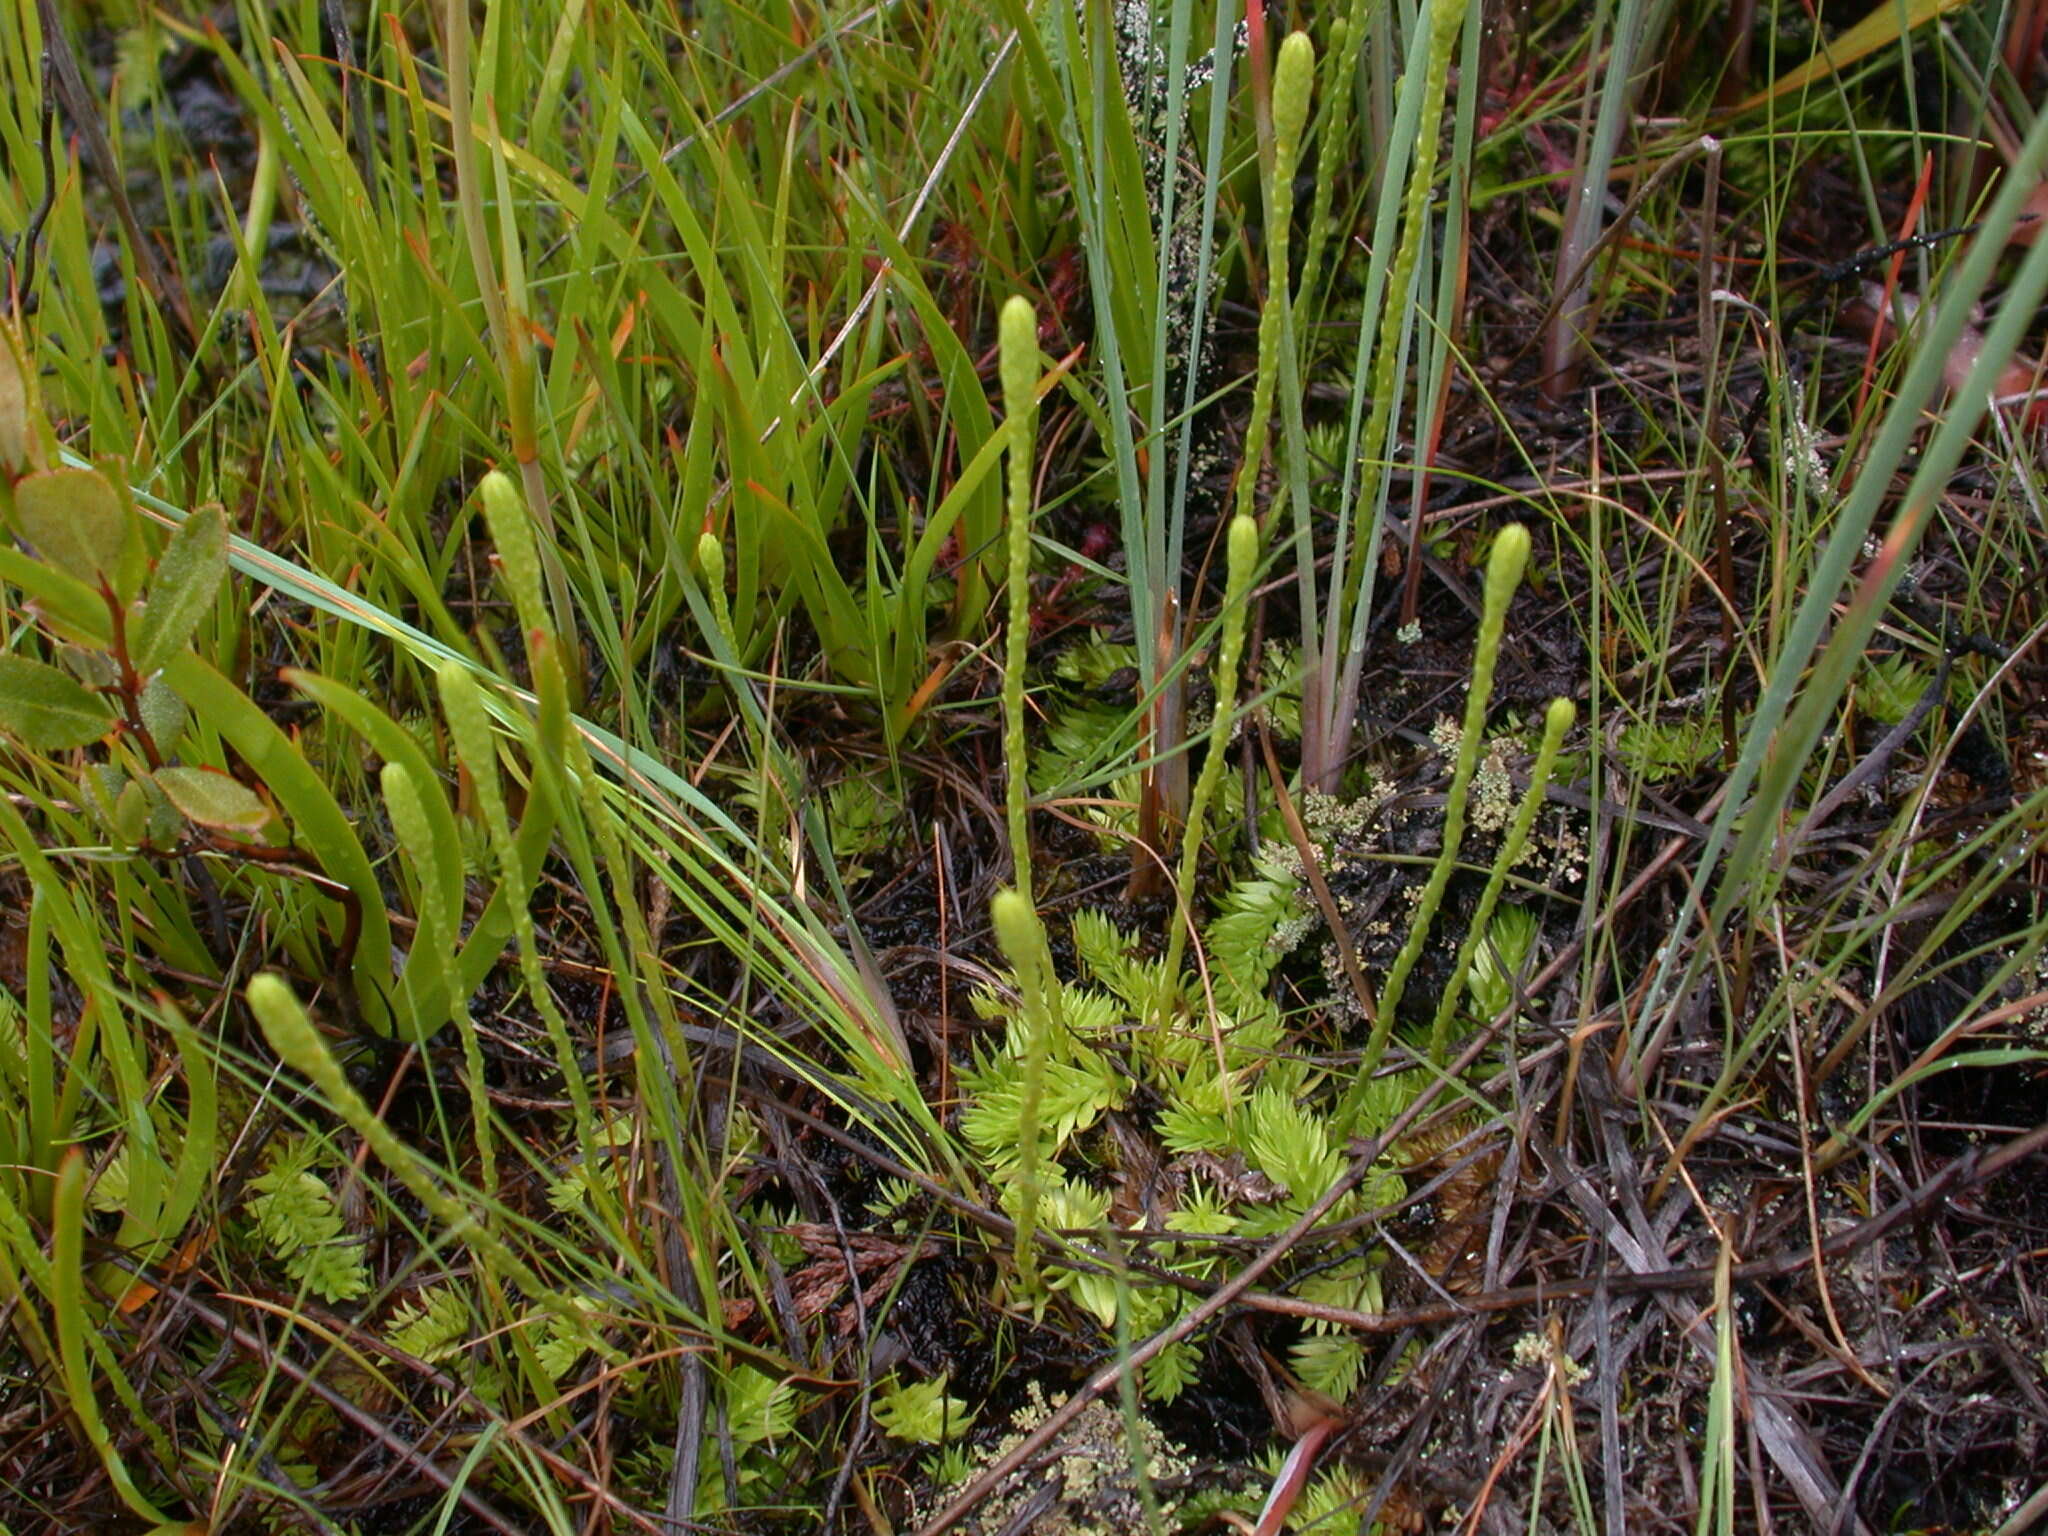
point(1493, 791)
point(1803, 459)
point(1141, 36)
point(1083, 1484)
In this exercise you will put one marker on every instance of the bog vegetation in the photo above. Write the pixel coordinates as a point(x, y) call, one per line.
point(1068, 766)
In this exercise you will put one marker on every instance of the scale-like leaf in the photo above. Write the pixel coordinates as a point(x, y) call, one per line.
point(296, 1214)
point(187, 579)
point(213, 799)
point(45, 709)
point(1290, 1144)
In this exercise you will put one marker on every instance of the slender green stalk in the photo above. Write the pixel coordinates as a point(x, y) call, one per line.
point(292, 1035)
point(1637, 26)
point(1503, 574)
point(1243, 555)
point(1346, 35)
point(1018, 343)
point(1293, 84)
point(432, 954)
point(1015, 917)
point(476, 746)
point(67, 1300)
point(1557, 719)
point(508, 315)
point(1825, 642)
point(1022, 938)
point(1718, 1457)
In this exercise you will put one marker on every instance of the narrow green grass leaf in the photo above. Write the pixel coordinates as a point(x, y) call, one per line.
point(67, 1304)
point(316, 817)
point(1884, 25)
point(393, 743)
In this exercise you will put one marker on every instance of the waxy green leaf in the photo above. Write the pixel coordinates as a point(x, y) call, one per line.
point(163, 713)
point(47, 710)
point(212, 799)
point(187, 579)
point(79, 522)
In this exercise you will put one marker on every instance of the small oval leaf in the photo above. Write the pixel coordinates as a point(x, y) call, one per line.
point(45, 709)
point(76, 520)
point(99, 790)
point(212, 799)
point(163, 713)
point(187, 579)
point(94, 668)
point(131, 814)
point(165, 826)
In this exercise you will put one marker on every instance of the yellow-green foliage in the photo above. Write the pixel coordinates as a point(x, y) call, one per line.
point(1226, 1098)
point(300, 1225)
point(434, 1326)
point(861, 821)
point(922, 1411)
